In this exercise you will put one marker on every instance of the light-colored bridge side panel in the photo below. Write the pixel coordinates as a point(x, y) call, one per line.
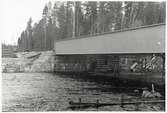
point(144, 40)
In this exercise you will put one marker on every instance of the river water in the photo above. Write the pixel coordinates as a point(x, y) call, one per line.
point(51, 92)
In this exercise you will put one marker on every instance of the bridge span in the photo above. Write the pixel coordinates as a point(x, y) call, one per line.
point(148, 39)
point(131, 54)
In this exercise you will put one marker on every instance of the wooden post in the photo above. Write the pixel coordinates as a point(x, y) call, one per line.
point(153, 88)
point(122, 101)
point(137, 107)
point(163, 74)
point(80, 100)
point(163, 61)
point(97, 103)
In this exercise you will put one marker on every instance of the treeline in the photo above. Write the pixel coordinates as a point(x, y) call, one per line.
point(87, 18)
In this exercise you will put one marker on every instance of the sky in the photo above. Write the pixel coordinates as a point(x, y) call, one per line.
point(15, 14)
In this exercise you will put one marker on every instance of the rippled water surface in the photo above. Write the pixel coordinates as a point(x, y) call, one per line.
point(51, 92)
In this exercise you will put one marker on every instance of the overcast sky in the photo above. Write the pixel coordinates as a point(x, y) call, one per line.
point(15, 14)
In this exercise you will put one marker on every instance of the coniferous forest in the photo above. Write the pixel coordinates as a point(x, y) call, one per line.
point(63, 20)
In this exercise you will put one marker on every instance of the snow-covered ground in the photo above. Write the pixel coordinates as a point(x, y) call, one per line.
point(29, 62)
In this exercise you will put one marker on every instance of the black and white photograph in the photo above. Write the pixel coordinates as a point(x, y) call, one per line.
point(83, 55)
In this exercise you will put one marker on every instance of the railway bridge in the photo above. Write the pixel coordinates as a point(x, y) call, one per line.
point(133, 54)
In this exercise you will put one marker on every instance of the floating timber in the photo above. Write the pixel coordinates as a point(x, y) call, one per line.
point(97, 104)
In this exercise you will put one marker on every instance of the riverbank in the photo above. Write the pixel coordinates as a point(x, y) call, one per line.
point(29, 62)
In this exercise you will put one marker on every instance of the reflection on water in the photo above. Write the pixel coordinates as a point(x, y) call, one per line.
point(51, 92)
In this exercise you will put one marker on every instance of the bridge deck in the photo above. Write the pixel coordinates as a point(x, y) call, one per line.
point(140, 40)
